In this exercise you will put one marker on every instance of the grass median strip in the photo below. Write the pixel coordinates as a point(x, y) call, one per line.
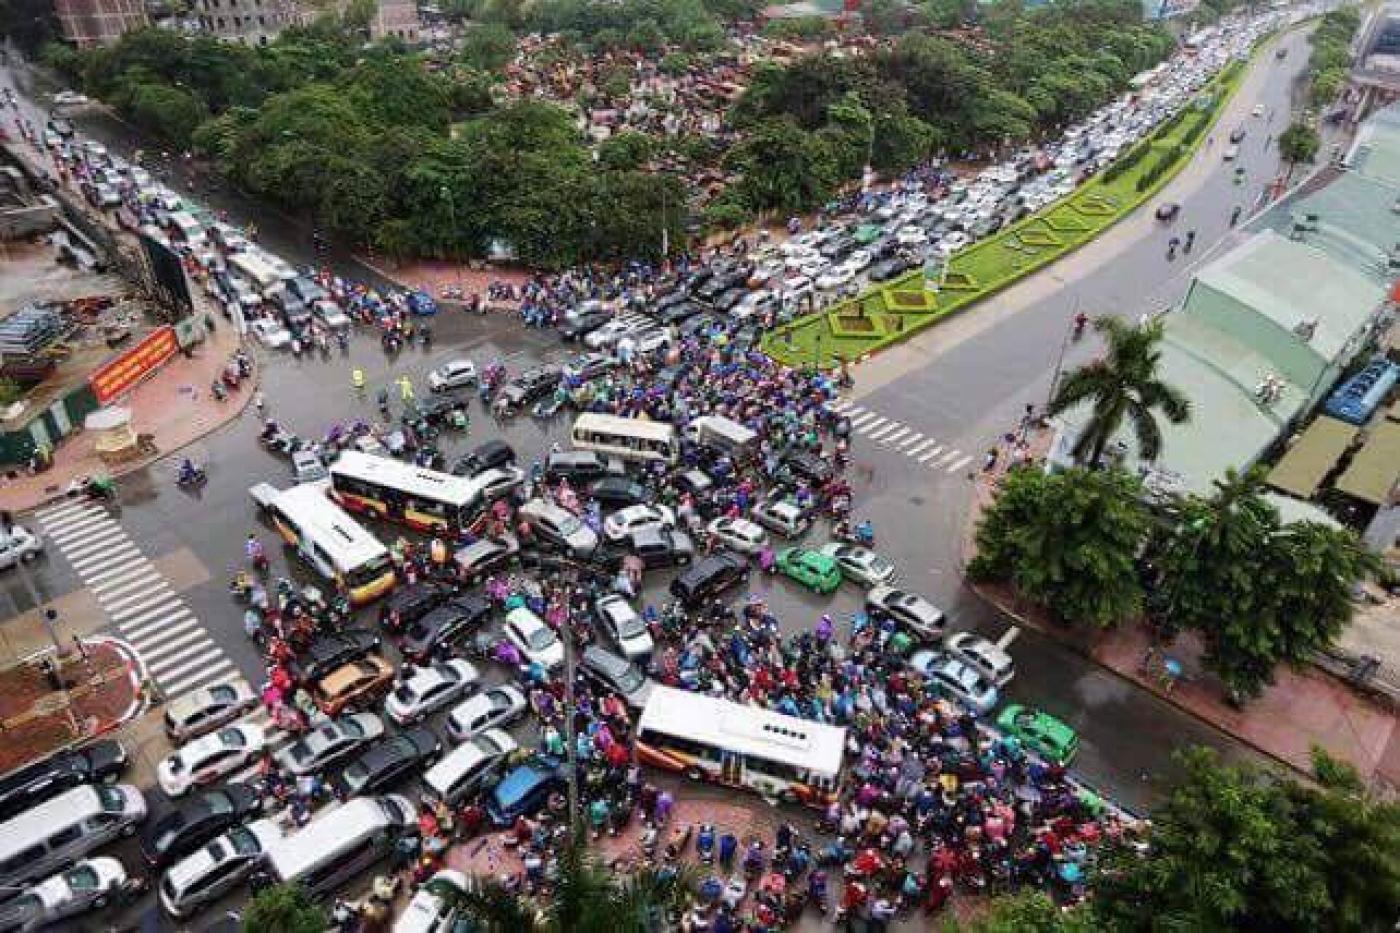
point(880, 317)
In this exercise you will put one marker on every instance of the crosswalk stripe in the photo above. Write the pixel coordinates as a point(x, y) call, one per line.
point(138, 625)
point(949, 457)
point(94, 560)
point(76, 529)
point(852, 411)
point(931, 454)
point(163, 671)
point(62, 509)
point(143, 572)
point(128, 566)
point(206, 676)
point(886, 429)
point(909, 440)
point(842, 404)
point(891, 438)
point(102, 540)
point(163, 627)
point(146, 578)
point(170, 648)
point(869, 418)
point(921, 447)
point(174, 660)
point(56, 526)
point(131, 605)
point(967, 458)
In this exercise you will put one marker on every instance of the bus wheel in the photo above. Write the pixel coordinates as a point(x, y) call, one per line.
point(694, 773)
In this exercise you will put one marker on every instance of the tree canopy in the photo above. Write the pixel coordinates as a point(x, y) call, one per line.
point(284, 908)
point(1068, 541)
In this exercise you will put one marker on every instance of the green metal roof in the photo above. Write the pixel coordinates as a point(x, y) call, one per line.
point(1312, 457)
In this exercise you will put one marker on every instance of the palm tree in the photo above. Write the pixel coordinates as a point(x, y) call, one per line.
point(586, 898)
point(1122, 384)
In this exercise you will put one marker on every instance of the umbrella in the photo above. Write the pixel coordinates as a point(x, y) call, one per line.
point(868, 862)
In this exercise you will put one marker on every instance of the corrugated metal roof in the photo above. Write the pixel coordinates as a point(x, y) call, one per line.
point(1376, 466)
point(1312, 457)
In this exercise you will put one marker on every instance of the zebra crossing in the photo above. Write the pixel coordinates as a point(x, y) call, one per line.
point(146, 611)
point(905, 440)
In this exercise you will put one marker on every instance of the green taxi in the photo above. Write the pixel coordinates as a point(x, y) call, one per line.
point(813, 569)
point(1041, 732)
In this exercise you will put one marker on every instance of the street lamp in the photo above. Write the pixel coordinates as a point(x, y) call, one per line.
point(1060, 360)
point(446, 193)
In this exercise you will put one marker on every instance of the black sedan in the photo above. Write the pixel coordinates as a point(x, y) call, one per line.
point(100, 762)
point(485, 456)
point(584, 324)
point(438, 628)
point(618, 492)
point(387, 762)
point(196, 821)
point(407, 605)
point(333, 650)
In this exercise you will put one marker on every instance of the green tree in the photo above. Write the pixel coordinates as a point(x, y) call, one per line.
point(1121, 386)
point(1031, 912)
point(587, 898)
point(488, 47)
point(1257, 591)
point(170, 112)
point(784, 168)
point(1298, 143)
point(1234, 849)
point(625, 151)
point(29, 24)
point(1067, 541)
point(284, 908)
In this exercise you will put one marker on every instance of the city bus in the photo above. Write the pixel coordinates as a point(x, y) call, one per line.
point(628, 438)
point(711, 739)
point(332, 542)
point(425, 500)
point(257, 269)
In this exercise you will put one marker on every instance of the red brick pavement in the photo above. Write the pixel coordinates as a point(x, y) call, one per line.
point(37, 720)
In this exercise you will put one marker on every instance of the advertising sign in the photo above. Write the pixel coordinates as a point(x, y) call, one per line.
point(116, 377)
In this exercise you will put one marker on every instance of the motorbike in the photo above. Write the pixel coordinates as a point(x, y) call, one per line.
point(191, 477)
point(218, 391)
point(94, 487)
point(705, 843)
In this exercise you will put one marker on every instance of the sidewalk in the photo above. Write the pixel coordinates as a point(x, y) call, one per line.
point(174, 404)
point(1299, 710)
point(103, 692)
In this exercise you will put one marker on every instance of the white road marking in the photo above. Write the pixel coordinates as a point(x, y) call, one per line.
point(1011, 635)
point(891, 438)
point(955, 467)
point(904, 444)
point(208, 675)
point(931, 454)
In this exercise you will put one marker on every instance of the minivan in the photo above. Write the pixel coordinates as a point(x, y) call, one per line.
point(470, 765)
point(62, 830)
point(577, 466)
point(340, 843)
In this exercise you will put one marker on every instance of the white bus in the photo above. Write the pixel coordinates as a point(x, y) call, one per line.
point(254, 266)
point(628, 438)
point(710, 739)
point(329, 540)
point(426, 500)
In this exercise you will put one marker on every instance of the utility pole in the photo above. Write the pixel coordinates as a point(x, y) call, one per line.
point(1064, 346)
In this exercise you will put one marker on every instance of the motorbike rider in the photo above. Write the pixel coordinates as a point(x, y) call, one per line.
point(254, 549)
point(188, 471)
point(1081, 320)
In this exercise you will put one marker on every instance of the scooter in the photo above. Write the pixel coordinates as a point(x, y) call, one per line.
point(191, 477)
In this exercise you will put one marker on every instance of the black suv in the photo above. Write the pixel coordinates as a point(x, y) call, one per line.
point(810, 467)
point(531, 384)
point(444, 624)
point(483, 457)
point(100, 762)
point(659, 547)
point(618, 492)
point(387, 762)
point(710, 577)
point(196, 821)
point(577, 466)
point(333, 650)
point(410, 604)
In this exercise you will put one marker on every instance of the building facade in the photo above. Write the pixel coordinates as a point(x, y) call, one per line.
point(88, 23)
point(251, 22)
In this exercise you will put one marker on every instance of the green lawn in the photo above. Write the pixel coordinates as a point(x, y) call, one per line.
point(888, 314)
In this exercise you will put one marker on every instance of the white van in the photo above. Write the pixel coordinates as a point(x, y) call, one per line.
point(469, 765)
point(724, 434)
point(340, 843)
point(60, 831)
point(429, 911)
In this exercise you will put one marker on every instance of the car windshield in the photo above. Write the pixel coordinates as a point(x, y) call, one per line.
point(569, 526)
point(355, 775)
point(222, 693)
point(880, 564)
point(112, 800)
point(541, 638)
point(487, 745)
point(243, 842)
point(219, 802)
point(232, 738)
point(629, 678)
point(630, 626)
point(352, 728)
point(82, 878)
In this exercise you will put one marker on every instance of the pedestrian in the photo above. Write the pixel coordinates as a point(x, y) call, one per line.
point(989, 463)
point(82, 648)
point(259, 402)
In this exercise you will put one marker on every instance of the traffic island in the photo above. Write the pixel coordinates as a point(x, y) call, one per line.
point(907, 305)
point(51, 701)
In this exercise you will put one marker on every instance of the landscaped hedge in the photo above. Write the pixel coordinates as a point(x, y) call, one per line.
point(1164, 163)
point(1127, 160)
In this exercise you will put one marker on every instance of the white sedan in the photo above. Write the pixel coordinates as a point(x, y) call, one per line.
point(271, 334)
point(860, 564)
point(207, 759)
point(20, 544)
point(454, 374)
point(624, 626)
point(911, 236)
point(425, 689)
point(88, 885)
point(834, 277)
point(607, 335)
point(738, 534)
point(858, 260)
point(626, 522)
